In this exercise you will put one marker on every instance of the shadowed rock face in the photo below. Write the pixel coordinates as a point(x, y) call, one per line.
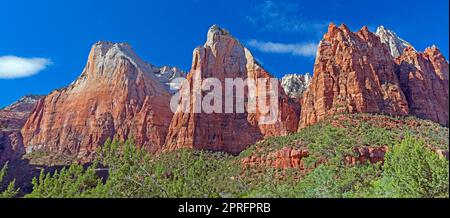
point(116, 96)
point(222, 57)
point(12, 118)
point(354, 72)
point(424, 80)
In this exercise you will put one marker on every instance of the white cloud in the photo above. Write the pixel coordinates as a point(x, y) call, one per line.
point(297, 49)
point(283, 17)
point(12, 67)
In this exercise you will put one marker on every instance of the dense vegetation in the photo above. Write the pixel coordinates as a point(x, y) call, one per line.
point(412, 167)
point(10, 190)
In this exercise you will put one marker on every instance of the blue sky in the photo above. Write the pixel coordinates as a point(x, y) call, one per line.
point(50, 39)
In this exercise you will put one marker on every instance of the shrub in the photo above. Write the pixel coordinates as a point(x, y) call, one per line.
point(72, 182)
point(10, 190)
point(412, 170)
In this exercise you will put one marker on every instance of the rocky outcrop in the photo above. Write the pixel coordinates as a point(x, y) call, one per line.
point(424, 78)
point(353, 73)
point(117, 96)
point(285, 158)
point(395, 44)
point(295, 84)
point(222, 57)
point(12, 118)
point(290, 157)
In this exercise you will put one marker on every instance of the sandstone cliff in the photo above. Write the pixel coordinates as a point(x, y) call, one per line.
point(353, 72)
point(424, 80)
point(117, 96)
point(222, 57)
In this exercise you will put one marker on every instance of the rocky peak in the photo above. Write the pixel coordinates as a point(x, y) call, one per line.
point(118, 95)
point(221, 57)
point(353, 73)
point(395, 44)
point(215, 33)
point(24, 104)
point(295, 84)
point(105, 56)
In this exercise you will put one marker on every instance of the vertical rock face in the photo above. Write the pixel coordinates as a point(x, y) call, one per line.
point(424, 80)
point(12, 118)
point(395, 44)
point(353, 73)
point(116, 96)
point(295, 84)
point(222, 57)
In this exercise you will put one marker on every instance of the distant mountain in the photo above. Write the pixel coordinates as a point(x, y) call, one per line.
point(295, 84)
point(24, 104)
point(12, 118)
point(395, 44)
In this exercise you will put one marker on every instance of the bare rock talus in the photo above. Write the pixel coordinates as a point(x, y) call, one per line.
point(117, 96)
point(222, 57)
point(353, 73)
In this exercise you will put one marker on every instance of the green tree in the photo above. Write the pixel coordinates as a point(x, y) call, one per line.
point(412, 170)
point(72, 182)
point(10, 190)
point(185, 173)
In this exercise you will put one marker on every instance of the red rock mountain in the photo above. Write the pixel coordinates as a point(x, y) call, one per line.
point(120, 96)
point(222, 57)
point(116, 96)
point(12, 118)
point(353, 72)
point(424, 80)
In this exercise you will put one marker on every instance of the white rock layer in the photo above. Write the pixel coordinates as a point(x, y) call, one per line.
point(295, 84)
point(396, 44)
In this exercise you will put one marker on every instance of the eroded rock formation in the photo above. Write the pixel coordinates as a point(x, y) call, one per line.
point(117, 96)
point(222, 57)
point(424, 80)
point(353, 72)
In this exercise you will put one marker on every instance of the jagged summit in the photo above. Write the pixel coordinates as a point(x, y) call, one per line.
point(214, 34)
point(395, 43)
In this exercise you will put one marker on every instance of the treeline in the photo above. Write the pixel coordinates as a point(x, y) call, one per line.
point(410, 170)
